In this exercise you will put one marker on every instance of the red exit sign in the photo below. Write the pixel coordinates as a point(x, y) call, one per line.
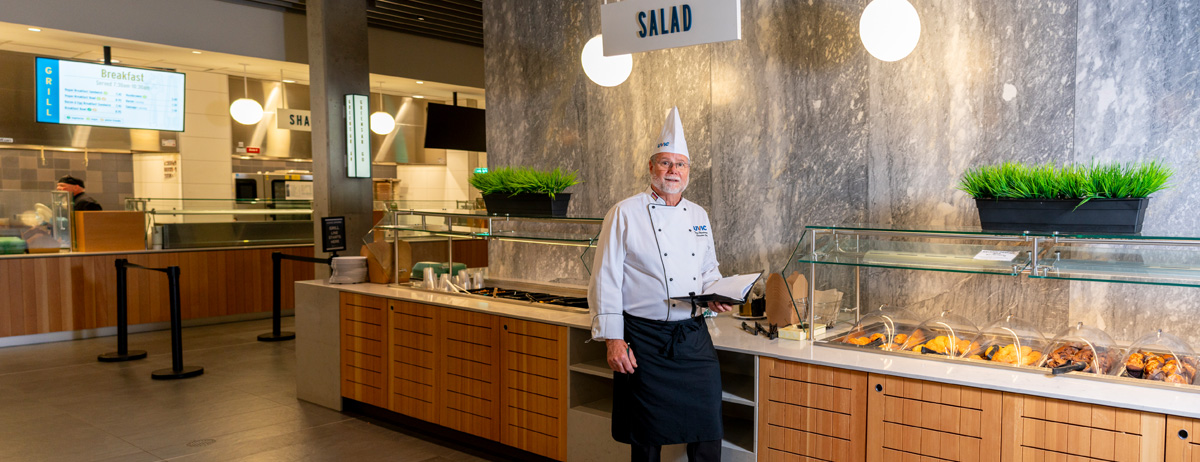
point(253, 150)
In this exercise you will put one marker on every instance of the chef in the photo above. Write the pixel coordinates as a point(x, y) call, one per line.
point(82, 201)
point(654, 246)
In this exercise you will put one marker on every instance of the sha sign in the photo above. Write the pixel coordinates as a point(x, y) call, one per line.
point(633, 26)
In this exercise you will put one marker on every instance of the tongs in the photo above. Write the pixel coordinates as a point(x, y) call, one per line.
point(770, 333)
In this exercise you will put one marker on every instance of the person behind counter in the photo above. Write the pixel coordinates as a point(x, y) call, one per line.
point(83, 202)
point(654, 246)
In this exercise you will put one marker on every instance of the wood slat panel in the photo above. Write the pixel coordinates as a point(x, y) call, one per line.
point(66, 293)
point(1048, 429)
point(928, 420)
point(809, 411)
point(534, 377)
point(1185, 446)
point(814, 395)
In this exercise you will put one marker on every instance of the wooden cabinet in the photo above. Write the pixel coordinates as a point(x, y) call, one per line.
point(414, 364)
point(1048, 429)
point(1183, 441)
point(811, 412)
point(533, 413)
point(469, 352)
point(926, 421)
point(497, 378)
point(363, 353)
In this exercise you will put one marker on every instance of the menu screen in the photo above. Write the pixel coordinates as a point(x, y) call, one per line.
point(72, 92)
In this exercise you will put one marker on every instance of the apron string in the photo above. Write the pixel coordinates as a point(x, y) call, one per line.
point(678, 335)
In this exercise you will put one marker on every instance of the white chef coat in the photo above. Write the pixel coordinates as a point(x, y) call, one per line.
point(648, 252)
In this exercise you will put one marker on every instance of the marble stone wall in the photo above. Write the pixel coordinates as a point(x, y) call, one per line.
point(796, 124)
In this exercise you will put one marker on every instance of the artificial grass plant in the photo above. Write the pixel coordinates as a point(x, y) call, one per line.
point(513, 181)
point(1012, 180)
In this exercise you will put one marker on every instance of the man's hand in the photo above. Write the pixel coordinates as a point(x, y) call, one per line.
point(719, 307)
point(620, 357)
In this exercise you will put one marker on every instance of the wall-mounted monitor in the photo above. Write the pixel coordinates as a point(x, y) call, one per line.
point(79, 93)
point(455, 127)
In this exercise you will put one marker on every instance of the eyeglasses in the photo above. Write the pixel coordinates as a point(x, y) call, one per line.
point(666, 165)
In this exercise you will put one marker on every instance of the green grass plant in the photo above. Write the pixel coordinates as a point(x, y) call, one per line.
point(1012, 180)
point(513, 181)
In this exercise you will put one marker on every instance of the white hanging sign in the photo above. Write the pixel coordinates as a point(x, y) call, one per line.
point(293, 119)
point(633, 26)
point(358, 137)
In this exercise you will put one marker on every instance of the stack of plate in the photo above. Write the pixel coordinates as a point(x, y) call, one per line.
point(348, 270)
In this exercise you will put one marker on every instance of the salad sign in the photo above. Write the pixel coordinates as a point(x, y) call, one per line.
point(633, 26)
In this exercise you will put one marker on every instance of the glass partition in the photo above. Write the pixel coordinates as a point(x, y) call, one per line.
point(34, 221)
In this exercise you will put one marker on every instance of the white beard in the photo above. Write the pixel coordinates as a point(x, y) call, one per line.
point(668, 188)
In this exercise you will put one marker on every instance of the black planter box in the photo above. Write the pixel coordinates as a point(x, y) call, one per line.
point(1113, 216)
point(527, 204)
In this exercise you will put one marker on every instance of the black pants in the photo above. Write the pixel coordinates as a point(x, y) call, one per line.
point(704, 451)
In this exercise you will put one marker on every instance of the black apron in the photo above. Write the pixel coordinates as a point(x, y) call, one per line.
point(674, 395)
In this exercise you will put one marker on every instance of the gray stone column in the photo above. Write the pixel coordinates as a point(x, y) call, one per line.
point(337, 56)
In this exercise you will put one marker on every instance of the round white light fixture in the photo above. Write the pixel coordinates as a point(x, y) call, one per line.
point(245, 110)
point(890, 29)
point(606, 71)
point(382, 123)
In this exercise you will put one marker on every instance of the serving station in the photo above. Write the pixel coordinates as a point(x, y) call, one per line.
point(877, 384)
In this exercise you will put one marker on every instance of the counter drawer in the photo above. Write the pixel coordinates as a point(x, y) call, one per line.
point(1183, 443)
point(908, 418)
point(363, 308)
point(811, 412)
point(1042, 428)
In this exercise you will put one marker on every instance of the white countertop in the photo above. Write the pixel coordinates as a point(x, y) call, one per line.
point(727, 335)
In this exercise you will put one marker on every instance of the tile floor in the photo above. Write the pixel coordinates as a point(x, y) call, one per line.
point(57, 403)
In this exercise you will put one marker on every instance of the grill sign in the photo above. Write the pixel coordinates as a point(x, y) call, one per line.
point(633, 26)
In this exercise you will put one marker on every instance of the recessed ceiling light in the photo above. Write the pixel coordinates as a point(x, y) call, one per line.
point(420, 82)
point(195, 52)
point(34, 29)
point(418, 97)
point(288, 81)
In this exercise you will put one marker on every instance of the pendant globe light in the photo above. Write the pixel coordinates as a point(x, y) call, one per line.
point(890, 29)
point(606, 71)
point(382, 123)
point(245, 110)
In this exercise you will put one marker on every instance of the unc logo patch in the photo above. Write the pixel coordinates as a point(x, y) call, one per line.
point(700, 230)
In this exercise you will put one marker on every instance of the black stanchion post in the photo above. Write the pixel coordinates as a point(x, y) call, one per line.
point(276, 305)
point(122, 353)
point(177, 370)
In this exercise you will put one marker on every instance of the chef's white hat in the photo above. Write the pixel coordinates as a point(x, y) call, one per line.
point(672, 136)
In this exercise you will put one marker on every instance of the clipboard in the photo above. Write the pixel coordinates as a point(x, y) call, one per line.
point(709, 298)
point(742, 279)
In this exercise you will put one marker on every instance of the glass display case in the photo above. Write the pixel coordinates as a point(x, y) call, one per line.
point(1081, 348)
point(886, 328)
point(1162, 357)
point(478, 224)
point(1009, 340)
point(203, 222)
point(34, 221)
point(839, 253)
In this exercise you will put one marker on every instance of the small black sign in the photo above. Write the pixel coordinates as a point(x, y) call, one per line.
point(333, 237)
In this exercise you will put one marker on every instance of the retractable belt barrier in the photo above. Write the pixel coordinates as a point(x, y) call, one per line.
point(277, 259)
point(177, 370)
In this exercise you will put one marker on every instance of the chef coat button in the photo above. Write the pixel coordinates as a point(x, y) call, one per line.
point(693, 279)
point(670, 279)
point(660, 230)
point(664, 254)
point(693, 255)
